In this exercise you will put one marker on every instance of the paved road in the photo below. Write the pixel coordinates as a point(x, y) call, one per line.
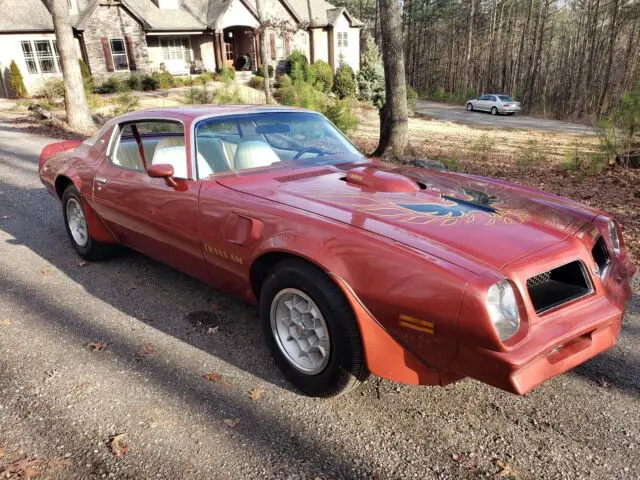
point(459, 114)
point(60, 402)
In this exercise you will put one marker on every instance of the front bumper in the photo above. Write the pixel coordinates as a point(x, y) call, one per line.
point(566, 338)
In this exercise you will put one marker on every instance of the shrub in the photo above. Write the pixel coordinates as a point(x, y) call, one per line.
point(226, 74)
point(483, 146)
point(165, 79)
point(344, 83)
point(297, 65)
point(110, 85)
point(125, 102)
point(342, 115)
point(51, 90)
point(412, 98)
point(16, 81)
point(260, 71)
point(257, 83)
point(149, 83)
point(134, 82)
point(371, 75)
point(324, 76)
point(228, 94)
point(531, 156)
point(87, 79)
point(284, 81)
point(582, 161)
point(301, 94)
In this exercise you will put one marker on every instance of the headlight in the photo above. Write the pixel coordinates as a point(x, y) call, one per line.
point(613, 234)
point(503, 309)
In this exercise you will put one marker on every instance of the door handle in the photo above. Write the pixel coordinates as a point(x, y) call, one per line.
point(101, 180)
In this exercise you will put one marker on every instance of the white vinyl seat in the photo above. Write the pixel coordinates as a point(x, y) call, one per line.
point(172, 151)
point(212, 157)
point(128, 155)
point(254, 153)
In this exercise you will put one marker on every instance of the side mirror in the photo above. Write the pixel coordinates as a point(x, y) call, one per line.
point(162, 170)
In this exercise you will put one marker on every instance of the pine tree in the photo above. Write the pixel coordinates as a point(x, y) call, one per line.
point(16, 81)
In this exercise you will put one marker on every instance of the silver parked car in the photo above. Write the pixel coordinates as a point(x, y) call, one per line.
point(494, 103)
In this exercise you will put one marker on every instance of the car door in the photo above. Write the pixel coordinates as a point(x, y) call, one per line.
point(482, 103)
point(145, 213)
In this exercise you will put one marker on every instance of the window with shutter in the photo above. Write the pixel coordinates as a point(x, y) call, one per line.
point(273, 46)
point(106, 50)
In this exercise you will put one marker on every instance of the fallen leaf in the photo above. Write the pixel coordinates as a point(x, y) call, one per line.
point(212, 330)
point(21, 468)
point(5, 323)
point(82, 263)
point(5, 217)
point(146, 349)
point(231, 422)
point(160, 423)
point(1, 452)
point(97, 346)
point(217, 378)
point(58, 464)
point(506, 470)
point(256, 393)
point(116, 447)
point(45, 270)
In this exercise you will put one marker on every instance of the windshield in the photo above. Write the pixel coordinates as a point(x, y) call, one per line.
point(241, 142)
point(505, 98)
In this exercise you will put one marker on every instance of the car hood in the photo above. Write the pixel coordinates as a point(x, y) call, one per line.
point(474, 222)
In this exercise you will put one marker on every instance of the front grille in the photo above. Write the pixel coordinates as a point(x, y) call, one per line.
point(557, 286)
point(601, 256)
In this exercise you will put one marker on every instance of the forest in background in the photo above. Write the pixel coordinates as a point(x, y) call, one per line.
point(562, 58)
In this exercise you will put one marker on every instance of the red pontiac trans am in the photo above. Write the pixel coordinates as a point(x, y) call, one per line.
point(414, 274)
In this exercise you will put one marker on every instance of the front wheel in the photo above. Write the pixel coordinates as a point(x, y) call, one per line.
point(75, 222)
point(311, 330)
point(494, 111)
point(469, 107)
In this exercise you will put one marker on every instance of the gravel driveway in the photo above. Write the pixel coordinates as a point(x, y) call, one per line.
point(459, 114)
point(60, 402)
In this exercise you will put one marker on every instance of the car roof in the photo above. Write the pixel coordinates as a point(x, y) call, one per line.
point(189, 113)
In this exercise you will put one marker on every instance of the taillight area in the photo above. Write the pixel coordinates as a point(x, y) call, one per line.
point(53, 148)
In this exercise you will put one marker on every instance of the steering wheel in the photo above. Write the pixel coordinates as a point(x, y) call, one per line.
point(317, 150)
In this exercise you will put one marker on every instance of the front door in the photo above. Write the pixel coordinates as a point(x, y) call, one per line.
point(146, 213)
point(229, 51)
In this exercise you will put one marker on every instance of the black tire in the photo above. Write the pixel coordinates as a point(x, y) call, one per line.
point(511, 114)
point(91, 250)
point(494, 111)
point(346, 367)
point(469, 107)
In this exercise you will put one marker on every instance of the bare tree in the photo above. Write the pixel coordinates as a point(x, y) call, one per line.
point(467, 71)
point(394, 122)
point(75, 100)
point(262, 31)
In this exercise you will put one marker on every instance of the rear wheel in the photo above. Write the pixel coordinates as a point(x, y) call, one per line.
point(494, 111)
point(311, 331)
point(469, 107)
point(77, 227)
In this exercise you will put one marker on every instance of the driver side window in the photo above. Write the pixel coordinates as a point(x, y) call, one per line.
point(151, 142)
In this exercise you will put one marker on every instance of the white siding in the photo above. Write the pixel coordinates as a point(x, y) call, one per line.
point(236, 15)
point(11, 49)
point(321, 44)
point(351, 53)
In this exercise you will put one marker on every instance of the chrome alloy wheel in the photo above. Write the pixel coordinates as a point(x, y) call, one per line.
point(77, 222)
point(300, 331)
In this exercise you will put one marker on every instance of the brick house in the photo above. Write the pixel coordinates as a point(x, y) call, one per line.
point(124, 36)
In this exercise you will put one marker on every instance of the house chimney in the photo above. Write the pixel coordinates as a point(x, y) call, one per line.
point(167, 4)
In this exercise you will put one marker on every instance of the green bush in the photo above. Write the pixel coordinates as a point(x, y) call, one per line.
point(149, 83)
point(344, 83)
point(300, 94)
point(412, 98)
point(532, 156)
point(260, 71)
point(342, 115)
point(125, 102)
point(111, 85)
point(483, 146)
point(371, 86)
point(284, 81)
point(228, 94)
point(324, 76)
point(226, 74)
point(297, 66)
point(16, 81)
point(134, 82)
point(87, 79)
point(51, 90)
point(257, 83)
point(165, 79)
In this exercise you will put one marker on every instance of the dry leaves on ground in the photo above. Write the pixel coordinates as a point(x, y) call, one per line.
point(1, 451)
point(217, 378)
point(231, 422)
point(6, 323)
point(256, 393)
point(82, 263)
point(506, 470)
point(146, 350)
point(45, 271)
point(25, 468)
point(115, 445)
point(97, 346)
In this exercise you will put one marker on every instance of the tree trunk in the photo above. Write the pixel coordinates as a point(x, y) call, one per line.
point(467, 70)
point(394, 124)
point(612, 39)
point(265, 53)
point(75, 100)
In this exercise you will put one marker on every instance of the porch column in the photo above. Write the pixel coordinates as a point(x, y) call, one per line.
point(257, 48)
point(218, 43)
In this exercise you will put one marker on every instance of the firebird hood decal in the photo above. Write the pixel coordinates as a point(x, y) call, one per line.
point(487, 222)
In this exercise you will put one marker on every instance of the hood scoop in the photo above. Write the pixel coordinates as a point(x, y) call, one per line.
point(378, 180)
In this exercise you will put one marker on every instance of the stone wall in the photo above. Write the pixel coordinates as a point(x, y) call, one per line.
point(110, 22)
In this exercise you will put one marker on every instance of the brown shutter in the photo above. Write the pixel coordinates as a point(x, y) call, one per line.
point(107, 54)
point(287, 44)
point(130, 56)
point(273, 46)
